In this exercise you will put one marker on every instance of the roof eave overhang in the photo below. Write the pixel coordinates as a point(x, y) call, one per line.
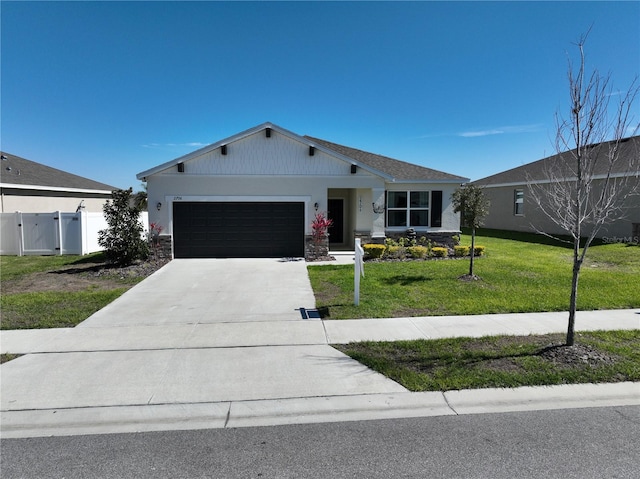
point(458, 181)
point(53, 188)
point(547, 181)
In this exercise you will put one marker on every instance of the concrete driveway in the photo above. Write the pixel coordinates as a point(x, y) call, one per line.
point(197, 291)
point(196, 332)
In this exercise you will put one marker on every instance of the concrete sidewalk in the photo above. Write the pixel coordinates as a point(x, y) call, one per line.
point(303, 332)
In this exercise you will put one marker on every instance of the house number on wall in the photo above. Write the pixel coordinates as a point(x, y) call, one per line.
point(177, 198)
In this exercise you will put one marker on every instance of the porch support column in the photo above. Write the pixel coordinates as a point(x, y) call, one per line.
point(377, 196)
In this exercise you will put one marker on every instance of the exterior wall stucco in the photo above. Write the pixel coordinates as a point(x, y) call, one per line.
point(167, 189)
point(41, 204)
point(502, 215)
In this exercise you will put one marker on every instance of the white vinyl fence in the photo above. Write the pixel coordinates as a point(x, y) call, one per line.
point(52, 233)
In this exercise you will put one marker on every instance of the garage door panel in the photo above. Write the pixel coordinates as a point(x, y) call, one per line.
point(233, 229)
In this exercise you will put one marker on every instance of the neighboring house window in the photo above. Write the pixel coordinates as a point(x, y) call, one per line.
point(518, 207)
point(408, 208)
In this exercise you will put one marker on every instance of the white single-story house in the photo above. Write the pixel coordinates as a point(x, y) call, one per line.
point(513, 208)
point(255, 194)
point(32, 187)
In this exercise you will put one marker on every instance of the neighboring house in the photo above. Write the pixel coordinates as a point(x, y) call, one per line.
point(512, 207)
point(256, 193)
point(31, 187)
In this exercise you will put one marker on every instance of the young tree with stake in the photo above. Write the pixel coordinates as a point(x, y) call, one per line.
point(470, 201)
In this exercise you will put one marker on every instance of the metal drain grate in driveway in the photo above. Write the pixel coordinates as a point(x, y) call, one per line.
point(310, 313)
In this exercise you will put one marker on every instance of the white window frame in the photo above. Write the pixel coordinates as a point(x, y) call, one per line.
point(408, 209)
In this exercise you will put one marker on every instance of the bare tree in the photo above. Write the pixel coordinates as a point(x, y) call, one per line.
point(587, 185)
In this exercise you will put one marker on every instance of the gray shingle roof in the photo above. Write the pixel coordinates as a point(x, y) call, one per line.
point(536, 171)
point(15, 170)
point(398, 170)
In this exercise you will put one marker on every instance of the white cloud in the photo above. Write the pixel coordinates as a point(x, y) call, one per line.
point(501, 131)
point(473, 134)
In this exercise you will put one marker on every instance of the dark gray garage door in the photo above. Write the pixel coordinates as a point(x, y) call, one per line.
point(238, 230)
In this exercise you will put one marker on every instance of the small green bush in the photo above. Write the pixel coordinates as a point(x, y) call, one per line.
point(478, 250)
point(374, 250)
point(396, 252)
point(417, 252)
point(460, 251)
point(439, 252)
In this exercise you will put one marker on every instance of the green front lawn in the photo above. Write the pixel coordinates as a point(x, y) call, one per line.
point(517, 275)
point(16, 267)
point(57, 291)
point(53, 309)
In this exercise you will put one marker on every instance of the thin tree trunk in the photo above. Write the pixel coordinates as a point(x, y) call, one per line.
point(473, 244)
point(577, 262)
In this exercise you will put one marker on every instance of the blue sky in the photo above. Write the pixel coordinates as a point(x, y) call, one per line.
point(109, 89)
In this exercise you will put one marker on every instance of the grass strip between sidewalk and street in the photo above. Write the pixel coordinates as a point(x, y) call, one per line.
point(503, 361)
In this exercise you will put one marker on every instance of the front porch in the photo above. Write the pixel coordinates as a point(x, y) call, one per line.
point(353, 217)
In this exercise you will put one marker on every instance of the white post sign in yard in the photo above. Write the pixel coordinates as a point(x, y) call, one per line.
point(359, 271)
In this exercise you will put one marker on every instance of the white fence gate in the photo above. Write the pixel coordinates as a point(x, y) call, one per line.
point(52, 233)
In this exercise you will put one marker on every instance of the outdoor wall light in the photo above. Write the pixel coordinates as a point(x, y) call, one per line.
point(378, 209)
point(223, 149)
point(159, 205)
point(354, 169)
point(316, 205)
point(312, 150)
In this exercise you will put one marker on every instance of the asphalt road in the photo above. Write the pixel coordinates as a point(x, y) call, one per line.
point(575, 443)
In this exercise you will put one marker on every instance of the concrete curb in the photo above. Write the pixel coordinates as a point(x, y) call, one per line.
point(538, 398)
point(146, 418)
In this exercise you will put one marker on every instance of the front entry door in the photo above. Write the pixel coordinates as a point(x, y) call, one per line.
point(336, 213)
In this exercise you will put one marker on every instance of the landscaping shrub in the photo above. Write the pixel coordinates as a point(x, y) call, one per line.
point(396, 252)
point(123, 239)
point(439, 252)
point(417, 252)
point(478, 250)
point(374, 250)
point(460, 251)
point(319, 234)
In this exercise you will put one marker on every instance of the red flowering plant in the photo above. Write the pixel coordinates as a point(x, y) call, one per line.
point(319, 228)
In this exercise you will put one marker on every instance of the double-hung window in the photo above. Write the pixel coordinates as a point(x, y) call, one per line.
point(408, 208)
point(518, 199)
